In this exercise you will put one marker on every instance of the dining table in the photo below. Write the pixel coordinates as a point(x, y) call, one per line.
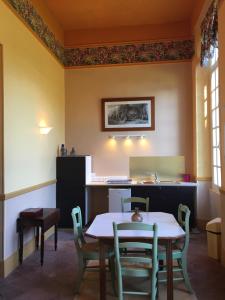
point(169, 230)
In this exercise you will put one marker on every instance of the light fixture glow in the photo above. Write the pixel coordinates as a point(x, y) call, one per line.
point(45, 130)
point(127, 137)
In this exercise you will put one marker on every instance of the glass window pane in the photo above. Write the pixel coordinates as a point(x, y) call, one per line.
point(213, 97)
point(215, 176)
point(217, 137)
point(217, 117)
point(217, 97)
point(214, 140)
point(213, 81)
point(216, 78)
point(213, 118)
point(219, 176)
point(218, 157)
point(214, 157)
point(216, 53)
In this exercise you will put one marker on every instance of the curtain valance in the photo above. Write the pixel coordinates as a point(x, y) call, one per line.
point(209, 34)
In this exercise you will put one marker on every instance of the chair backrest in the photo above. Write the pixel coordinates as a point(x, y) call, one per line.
point(77, 226)
point(183, 219)
point(135, 200)
point(151, 245)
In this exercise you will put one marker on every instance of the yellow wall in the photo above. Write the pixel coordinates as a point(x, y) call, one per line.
point(33, 90)
point(171, 86)
point(201, 78)
point(1, 123)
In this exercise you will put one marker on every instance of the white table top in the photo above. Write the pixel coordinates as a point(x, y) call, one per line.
point(168, 227)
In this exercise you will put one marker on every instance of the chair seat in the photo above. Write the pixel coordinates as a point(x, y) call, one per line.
point(176, 253)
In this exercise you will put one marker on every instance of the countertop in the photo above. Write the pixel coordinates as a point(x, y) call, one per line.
point(134, 183)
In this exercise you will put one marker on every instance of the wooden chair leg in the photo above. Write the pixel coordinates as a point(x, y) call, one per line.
point(80, 273)
point(112, 272)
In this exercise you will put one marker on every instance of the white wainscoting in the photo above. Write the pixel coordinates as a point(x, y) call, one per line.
point(1, 230)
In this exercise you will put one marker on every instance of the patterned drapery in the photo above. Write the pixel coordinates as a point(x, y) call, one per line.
point(209, 32)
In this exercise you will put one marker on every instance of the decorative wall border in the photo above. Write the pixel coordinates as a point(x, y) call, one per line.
point(175, 50)
point(28, 13)
point(132, 53)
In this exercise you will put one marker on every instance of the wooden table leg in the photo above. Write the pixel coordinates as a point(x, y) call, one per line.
point(42, 245)
point(20, 229)
point(56, 236)
point(169, 264)
point(102, 274)
point(37, 237)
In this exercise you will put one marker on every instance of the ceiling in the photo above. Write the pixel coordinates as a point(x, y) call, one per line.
point(99, 14)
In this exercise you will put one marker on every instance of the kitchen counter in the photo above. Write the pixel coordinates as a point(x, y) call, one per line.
point(135, 183)
point(164, 196)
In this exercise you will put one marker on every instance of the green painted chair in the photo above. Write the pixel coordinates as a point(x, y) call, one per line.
point(179, 251)
point(139, 264)
point(87, 251)
point(137, 200)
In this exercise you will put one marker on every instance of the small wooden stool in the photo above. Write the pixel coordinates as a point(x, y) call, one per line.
point(45, 219)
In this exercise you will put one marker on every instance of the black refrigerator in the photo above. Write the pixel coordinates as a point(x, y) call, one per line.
point(72, 173)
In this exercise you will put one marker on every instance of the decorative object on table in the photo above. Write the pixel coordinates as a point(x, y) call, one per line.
point(63, 150)
point(136, 217)
point(123, 114)
point(186, 177)
point(72, 152)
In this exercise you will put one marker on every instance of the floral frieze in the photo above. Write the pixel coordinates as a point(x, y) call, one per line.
point(28, 13)
point(133, 53)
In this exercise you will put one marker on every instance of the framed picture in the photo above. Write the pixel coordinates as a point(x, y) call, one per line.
point(124, 114)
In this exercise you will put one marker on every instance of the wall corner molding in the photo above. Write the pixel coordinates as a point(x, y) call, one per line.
point(4, 197)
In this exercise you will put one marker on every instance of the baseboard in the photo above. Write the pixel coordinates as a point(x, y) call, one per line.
point(12, 262)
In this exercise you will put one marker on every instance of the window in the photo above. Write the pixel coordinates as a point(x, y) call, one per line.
point(216, 163)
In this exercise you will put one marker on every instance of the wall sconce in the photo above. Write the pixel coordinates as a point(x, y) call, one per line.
point(127, 136)
point(45, 130)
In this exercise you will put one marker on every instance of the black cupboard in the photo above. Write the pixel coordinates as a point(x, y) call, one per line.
point(167, 198)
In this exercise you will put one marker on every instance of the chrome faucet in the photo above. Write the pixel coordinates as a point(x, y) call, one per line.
point(156, 178)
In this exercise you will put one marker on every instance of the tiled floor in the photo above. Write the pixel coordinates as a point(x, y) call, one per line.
point(55, 280)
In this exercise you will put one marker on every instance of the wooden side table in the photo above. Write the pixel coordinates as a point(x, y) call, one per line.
point(49, 218)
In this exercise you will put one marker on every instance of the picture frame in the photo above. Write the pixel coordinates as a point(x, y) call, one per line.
point(125, 114)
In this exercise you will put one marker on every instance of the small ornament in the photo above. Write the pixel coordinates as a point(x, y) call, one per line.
point(72, 152)
point(63, 150)
point(136, 217)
